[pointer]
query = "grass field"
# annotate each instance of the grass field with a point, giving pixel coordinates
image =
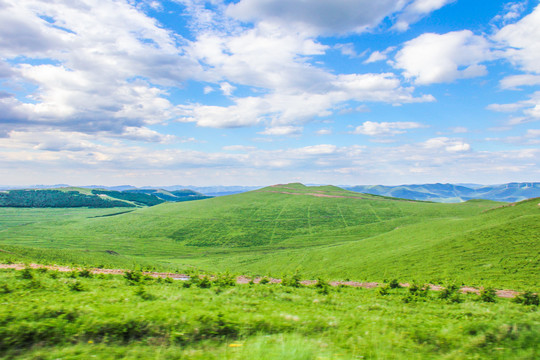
(317, 230)
(311, 231)
(51, 315)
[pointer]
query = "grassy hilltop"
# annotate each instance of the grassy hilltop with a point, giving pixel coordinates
(318, 230)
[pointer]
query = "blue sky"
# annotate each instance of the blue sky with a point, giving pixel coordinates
(257, 92)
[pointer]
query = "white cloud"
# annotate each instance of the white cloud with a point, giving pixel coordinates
(460, 130)
(288, 108)
(385, 128)
(324, 132)
(282, 130)
(375, 56)
(347, 49)
(239, 148)
(105, 65)
(416, 10)
(316, 16)
(433, 58)
(529, 107)
(522, 41)
(515, 81)
(449, 145)
(226, 88)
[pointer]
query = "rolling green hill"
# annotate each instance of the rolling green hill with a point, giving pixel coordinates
(319, 230)
(175, 195)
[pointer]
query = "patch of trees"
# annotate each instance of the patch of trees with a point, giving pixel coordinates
(56, 199)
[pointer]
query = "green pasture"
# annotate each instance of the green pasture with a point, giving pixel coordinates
(323, 231)
(51, 315)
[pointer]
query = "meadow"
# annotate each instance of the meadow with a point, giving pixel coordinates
(289, 232)
(319, 231)
(76, 315)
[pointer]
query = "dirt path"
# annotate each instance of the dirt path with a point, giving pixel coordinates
(246, 280)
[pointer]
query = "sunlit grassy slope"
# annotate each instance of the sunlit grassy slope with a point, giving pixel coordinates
(321, 230)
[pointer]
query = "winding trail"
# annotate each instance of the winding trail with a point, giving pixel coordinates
(246, 279)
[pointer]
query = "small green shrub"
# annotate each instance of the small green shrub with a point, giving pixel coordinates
(527, 298)
(488, 295)
(133, 277)
(225, 280)
(205, 283)
(322, 286)
(4, 289)
(85, 273)
(394, 284)
(42, 270)
(292, 280)
(143, 294)
(383, 290)
(27, 273)
(76, 286)
(264, 280)
(53, 274)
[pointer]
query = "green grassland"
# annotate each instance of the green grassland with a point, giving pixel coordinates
(317, 230)
(51, 315)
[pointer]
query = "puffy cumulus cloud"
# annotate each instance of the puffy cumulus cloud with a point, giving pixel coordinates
(263, 57)
(416, 10)
(522, 41)
(316, 16)
(385, 128)
(437, 58)
(287, 108)
(101, 65)
(447, 144)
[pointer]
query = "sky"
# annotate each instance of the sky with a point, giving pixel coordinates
(259, 92)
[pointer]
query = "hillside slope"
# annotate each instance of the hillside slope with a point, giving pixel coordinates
(321, 230)
(498, 247)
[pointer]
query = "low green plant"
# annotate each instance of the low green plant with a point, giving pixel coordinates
(394, 284)
(27, 273)
(322, 286)
(527, 298)
(143, 293)
(293, 280)
(488, 295)
(225, 279)
(5, 289)
(133, 277)
(205, 283)
(264, 281)
(85, 273)
(383, 290)
(76, 286)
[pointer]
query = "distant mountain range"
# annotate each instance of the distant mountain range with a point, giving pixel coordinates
(133, 196)
(510, 192)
